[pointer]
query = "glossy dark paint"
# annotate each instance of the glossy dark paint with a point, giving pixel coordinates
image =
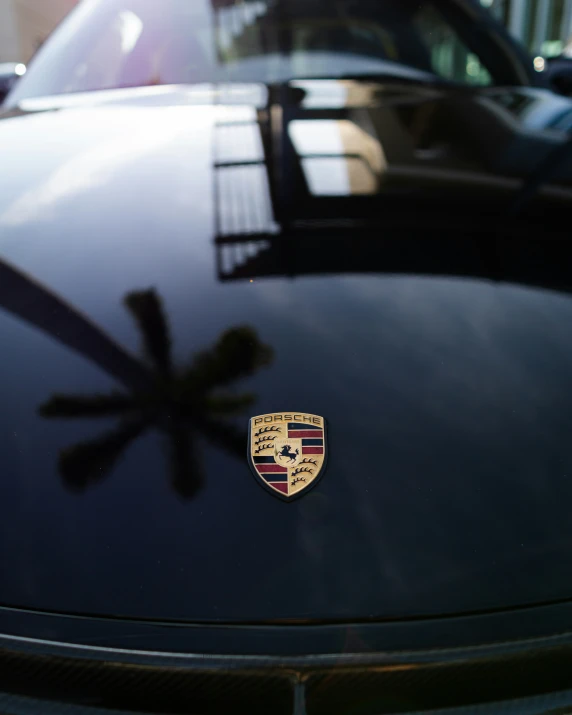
(292, 638)
(409, 321)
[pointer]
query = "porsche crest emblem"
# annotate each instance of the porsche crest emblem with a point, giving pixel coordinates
(287, 452)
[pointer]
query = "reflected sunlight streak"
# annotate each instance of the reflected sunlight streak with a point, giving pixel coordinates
(92, 168)
(130, 27)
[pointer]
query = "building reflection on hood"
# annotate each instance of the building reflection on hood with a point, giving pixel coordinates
(329, 177)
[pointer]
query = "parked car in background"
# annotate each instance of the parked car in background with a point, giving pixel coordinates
(214, 213)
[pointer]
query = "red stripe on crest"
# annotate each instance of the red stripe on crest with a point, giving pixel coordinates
(266, 468)
(281, 486)
(312, 450)
(314, 434)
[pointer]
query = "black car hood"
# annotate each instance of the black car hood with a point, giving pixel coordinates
(447, 394)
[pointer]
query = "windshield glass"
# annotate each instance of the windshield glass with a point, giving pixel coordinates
(108, 44)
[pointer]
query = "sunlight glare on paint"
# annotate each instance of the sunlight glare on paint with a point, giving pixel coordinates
(130, 27)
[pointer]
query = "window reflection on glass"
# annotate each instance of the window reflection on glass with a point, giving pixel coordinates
(339, 158)
(338, 176)
(242, 193)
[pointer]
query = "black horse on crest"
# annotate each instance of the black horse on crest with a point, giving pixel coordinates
(287, 454)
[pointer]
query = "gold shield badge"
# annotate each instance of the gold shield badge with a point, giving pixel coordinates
(287, 452)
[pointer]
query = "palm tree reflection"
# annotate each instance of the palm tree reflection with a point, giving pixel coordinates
(181, 404)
